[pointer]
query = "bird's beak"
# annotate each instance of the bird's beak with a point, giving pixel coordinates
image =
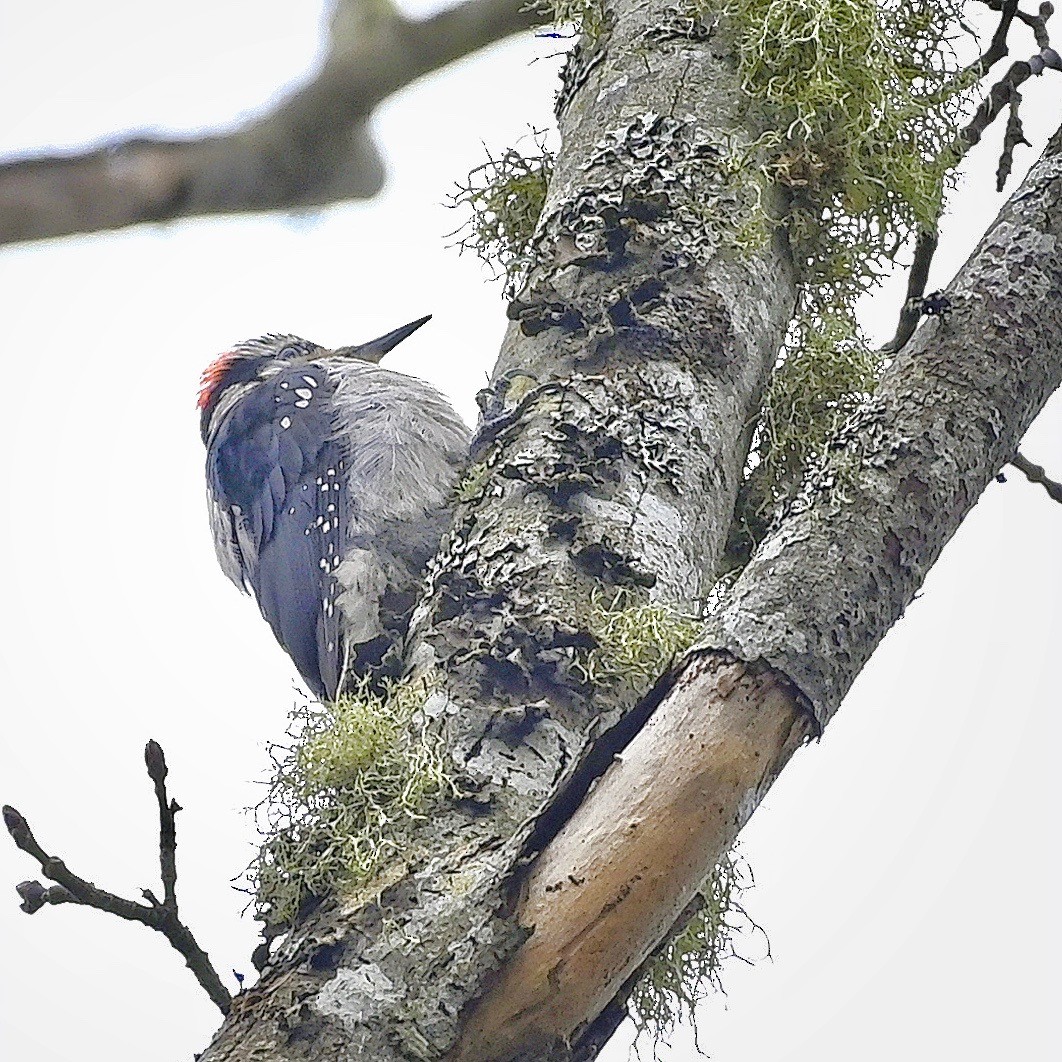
(375, 349)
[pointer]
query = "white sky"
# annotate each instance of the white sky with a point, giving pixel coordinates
(907, 867)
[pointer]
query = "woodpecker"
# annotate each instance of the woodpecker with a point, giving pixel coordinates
(327, 478)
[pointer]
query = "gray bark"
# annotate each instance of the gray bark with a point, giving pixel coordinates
(608, 460)
(787, 642)
(903, 473)
(313, 148)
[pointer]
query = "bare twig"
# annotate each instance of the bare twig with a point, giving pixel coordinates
(313, 148)
(925, 248)
(1036, 474)
(1004, 94)
(160, 916)
(1014, 136)
(997, 48)
(1038, 23)
(157, 771)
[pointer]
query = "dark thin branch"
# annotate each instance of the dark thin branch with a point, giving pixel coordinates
(925, 248)
(160, 916)
(80, 890)
(1014, 135)
(1038, 23)
(157, 771)
(1036, 474)
(998, 97)
(311, 149)
(1003, 95)
(997, 48)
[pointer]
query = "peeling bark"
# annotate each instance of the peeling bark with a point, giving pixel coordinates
(615, 880)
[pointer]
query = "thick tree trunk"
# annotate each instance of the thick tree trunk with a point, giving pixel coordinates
(614, 435)
(608, 461)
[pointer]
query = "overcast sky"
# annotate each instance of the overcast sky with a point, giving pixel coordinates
(907, 866)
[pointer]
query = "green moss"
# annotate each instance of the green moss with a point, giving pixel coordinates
(636, 642)
(472, 482)
(688, 967)
(864, 100)
(504, 197)
(354, 776)
(826, 371)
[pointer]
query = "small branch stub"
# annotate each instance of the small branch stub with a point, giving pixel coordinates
(1035, 473)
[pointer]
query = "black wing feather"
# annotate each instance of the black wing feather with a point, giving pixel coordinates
(265, 464)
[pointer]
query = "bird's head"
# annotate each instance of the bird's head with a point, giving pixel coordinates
(254, 359)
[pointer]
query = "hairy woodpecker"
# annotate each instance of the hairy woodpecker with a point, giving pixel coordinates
(326, 481)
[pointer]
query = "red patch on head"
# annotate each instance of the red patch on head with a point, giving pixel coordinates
(212, 375)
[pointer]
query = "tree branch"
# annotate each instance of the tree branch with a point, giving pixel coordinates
(160, 916)
(998, 47)
(157, 771)
(1003, 93)
(792, 634)
(911, 311)
(313, 148)
(1036, 474)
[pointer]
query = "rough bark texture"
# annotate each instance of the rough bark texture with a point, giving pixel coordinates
(949, 414)
(900, 477)
(617, 877)
(314, 148)
(819, 595)
(608, 460)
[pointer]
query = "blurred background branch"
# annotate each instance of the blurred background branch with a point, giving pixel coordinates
(312, 148)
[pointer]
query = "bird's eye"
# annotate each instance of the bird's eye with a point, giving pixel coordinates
(290, 352)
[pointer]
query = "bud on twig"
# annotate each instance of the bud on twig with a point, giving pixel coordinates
(13, 820)
(33, 896)
(155, 760)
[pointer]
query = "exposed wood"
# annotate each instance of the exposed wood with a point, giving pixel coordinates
(605, 472)
(615, 879)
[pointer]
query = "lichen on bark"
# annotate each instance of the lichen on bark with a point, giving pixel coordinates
(504, 197)
(607, 460)
(894, 483)
(352, 778)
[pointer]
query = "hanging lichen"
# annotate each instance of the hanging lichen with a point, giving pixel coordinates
(354, 776)
(688, 968)
(504, 197)
(864, 100)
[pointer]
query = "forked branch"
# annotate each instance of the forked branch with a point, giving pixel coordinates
(161, 916)
(1004, 95)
